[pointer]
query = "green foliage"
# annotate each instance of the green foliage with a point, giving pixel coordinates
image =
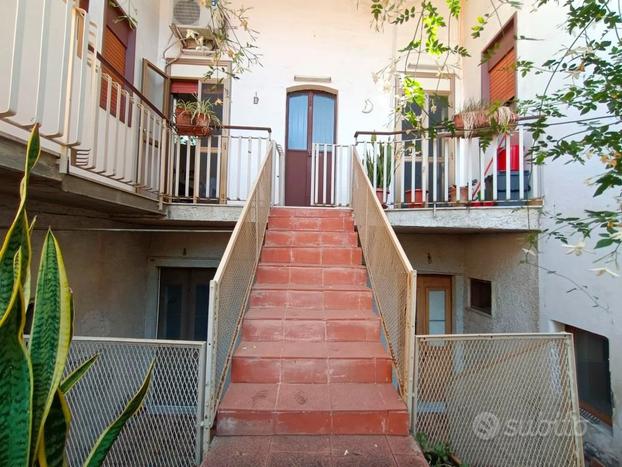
(437, 454)
(592, 70)
(382, 164)
(34, 417)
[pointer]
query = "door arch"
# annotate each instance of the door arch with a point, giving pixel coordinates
(311, 117)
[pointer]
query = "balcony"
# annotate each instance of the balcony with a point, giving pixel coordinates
(103, 139)
(449, 182)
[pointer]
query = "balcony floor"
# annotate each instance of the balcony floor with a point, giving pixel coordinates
(466, 219)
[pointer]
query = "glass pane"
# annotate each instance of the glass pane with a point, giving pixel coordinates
(153, 87)
(437, 327)
(593, 377)
(215, 93)
(323, 119)
(169, 326)
(436, 303)
(297, 122)
(200, 312)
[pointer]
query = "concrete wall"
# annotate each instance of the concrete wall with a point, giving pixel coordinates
(493, 257)
(113, 274)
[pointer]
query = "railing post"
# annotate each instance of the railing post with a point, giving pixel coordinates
(210, 364)
(200, 404)
(571, 368)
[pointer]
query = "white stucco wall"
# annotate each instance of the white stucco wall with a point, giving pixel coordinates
(565, 191)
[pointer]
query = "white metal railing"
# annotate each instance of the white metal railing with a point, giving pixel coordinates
(167, 430)
(331, 166)
(100, 125)
(417, 171)
(230, 288)
(392, 277)
(500, 399)
(198, 167)
(44, 62)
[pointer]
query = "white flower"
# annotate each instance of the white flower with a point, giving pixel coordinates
(601, 271)
(617, 236)
(577, 249)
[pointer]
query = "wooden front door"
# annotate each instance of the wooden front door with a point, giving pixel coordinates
(434, 305)
(311, 118)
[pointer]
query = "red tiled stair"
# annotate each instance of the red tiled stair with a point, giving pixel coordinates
(310, 359)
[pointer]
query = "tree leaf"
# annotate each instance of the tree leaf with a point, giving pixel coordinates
(51, 452)
(50, 334)
(16, 378)
(70, 381)
(108, 437)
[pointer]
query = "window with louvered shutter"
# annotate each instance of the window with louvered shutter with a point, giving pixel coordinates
(502, 78)
(499, 68)
(119, 43)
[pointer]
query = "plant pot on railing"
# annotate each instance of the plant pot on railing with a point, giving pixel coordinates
(408, 200)
(195, 118)
(491, 118)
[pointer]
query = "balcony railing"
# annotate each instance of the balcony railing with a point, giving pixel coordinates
(411, 171)
(101, 126)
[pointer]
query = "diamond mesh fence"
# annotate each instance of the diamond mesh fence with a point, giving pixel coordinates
(390, 272)
(500, 399)
(166, 431)
(232, 283)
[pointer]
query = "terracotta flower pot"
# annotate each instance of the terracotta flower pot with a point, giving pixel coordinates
(380, 196)
(464, 194)
(418, 202)
(183, 118)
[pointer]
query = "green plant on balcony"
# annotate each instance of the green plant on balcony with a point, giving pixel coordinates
(34, 415)
(196, 117)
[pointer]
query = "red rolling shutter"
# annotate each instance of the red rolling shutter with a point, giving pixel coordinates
(502, 78)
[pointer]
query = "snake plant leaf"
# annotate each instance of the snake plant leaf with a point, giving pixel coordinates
(50, 334)
(51, 451)
(17, 236)
(77, 374)
(108, 437)
(16, 387)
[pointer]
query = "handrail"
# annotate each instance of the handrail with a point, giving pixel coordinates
(110, 68)
(231, 286)
(392, 277)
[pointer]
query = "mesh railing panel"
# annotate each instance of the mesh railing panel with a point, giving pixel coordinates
(231, 285)
(391, 275)
(498, 399)
(166, 431)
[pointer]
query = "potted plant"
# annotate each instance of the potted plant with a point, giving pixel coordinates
(453, 194)
(382, 159)
(196, 118)
(418, 200)
(496, 117)
(183, 113)
(204, 116)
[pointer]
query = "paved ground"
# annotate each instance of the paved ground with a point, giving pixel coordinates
(314, 451)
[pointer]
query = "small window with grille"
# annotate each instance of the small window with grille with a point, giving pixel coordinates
(481, 296)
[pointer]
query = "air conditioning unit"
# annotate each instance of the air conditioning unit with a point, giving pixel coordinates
(191, 22)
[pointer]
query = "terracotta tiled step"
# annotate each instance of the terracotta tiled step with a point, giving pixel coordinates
(301, 330)
(339, 256)
(321, 276)
(311, 212)
(256, 362)
(308, 314)
(348, 408)
(345, 298)
(310, 239)
(324, 224)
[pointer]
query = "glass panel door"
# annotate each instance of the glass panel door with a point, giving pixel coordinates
(184, 303)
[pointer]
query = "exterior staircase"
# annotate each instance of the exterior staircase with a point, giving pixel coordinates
(310, 358)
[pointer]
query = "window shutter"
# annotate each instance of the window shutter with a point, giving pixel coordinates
(502, 78)
(114, 52)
